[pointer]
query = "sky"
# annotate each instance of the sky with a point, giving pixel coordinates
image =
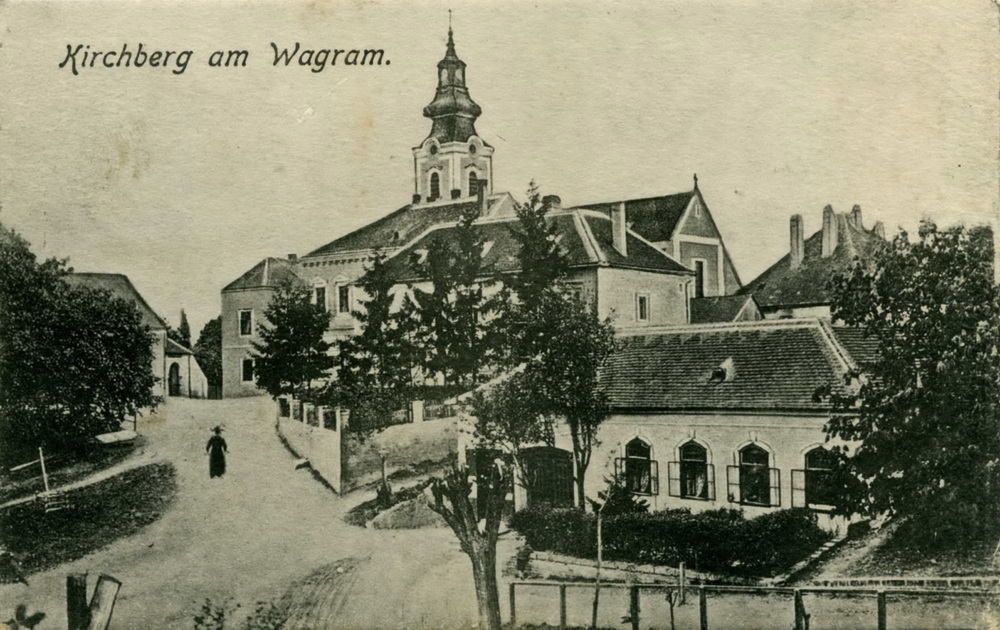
(183, 181)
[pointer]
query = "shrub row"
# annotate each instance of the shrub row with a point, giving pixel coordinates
(716, 541)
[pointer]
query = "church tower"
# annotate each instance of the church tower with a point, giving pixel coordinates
(452, 162)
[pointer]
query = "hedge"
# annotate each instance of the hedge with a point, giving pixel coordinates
(716, 541)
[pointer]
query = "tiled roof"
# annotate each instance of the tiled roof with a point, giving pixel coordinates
(655, 217)
(862, 348)
(717, 309)
(174, 349)
(809, 284)
(585, 237)
(269, 272)
(120, 286)
(771, 366)
(399, 227)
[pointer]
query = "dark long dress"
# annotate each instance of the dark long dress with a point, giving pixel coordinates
(216, 456)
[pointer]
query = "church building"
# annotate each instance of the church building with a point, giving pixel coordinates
(645, 262)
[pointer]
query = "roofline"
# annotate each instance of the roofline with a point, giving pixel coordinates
(763, 324)
(614, 201)
(128, 281)
(741, 411)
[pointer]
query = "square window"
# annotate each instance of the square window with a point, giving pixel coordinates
(247, 370)
(246, 323)
(642, 308)
(344, 299)
(319, 295)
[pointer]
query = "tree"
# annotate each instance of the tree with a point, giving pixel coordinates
(926, 411)
(292, 354)
(208, 350)
(505, 423)
(374, 366)
(74, 362)
(181, 334)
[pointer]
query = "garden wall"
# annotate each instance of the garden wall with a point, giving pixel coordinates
(404, 446)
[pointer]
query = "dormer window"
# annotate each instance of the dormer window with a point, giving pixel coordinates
(723, 373)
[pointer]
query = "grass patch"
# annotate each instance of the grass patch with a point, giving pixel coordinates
(361, 514)
(63, 469)
(907, 553)
(100, 514)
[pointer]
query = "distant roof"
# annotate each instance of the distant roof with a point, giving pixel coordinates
(654, 217)
(269, 272)
(120, 286)
(862, 348)
(781, 286)
(585, 238)
(768, 366)
(174, 349)
(399, 227)
(717, 309)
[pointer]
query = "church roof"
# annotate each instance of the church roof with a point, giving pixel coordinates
(809, 284)
(175, 349)
(399, 227)
(120, 286)
(717, 309)
(765, 366)
(585, 238)
(656, 218)
(269, 272)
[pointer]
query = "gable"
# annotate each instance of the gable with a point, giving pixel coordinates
(697, 220)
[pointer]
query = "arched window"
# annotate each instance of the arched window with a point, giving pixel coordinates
(473, 183)
(694, 471)
(435, 187)
(753, 481)
(637, 470)
(813, 486)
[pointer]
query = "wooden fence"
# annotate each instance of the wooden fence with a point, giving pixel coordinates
(801, 615)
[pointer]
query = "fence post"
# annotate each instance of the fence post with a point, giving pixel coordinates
(703, 608)
(882, 619)
(102, 604)
(45, 474)
(513, 606)
(799, 611)
(682, 596)
(562, 607)
(633, 607)
(76, 601)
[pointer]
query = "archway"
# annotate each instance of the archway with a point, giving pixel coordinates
(174, 380)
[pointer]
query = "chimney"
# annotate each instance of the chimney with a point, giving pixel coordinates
(416, 198)
(856, 217)
(293, 258)
(829, 231)
(618, 236)
(481, 198)
(552, 202)
(879, 230)
(798, 245)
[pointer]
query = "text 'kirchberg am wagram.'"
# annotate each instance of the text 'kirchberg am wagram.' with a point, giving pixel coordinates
(81, 57)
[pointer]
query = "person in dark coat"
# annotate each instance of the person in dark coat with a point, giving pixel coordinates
(216, 450)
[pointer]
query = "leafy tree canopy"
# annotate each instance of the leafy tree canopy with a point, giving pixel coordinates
(926, 412)
(291, 354)
(208, 349)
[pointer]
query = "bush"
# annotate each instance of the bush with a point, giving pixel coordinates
(717, 541)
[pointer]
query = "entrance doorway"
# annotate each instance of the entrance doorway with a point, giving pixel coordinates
(174, 380)
(549, 477)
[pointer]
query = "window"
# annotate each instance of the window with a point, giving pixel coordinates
(642, 307)
(319, 295)
(637, 470)
(329, 418)
(435, 187)
(692, 477)
(753, 481)
(813, 486)
(247, 370)
(344, 298)
(246, 323)
(473, 180)
(699, 278)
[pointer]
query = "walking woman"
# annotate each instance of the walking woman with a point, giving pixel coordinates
(216, 450)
